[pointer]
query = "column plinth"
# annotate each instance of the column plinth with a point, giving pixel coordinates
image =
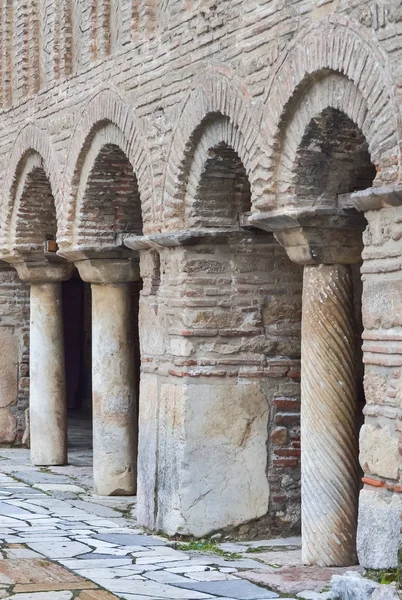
(328, 418)
(47, 395)
(113, 384)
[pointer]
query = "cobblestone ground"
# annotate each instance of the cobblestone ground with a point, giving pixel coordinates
(59, 542)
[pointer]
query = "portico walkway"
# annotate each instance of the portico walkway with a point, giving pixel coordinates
(59, 542)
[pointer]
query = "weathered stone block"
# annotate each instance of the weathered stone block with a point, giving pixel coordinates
(379, 451)
(381, 305)
(386, 592)
(8, 426)
(147, 449)
(8, 367)
(352, 586)
(212, 450)
(378, 530)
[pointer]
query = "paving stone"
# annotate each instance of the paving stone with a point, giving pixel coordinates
(96, 509)
(80, 563)
(95, 555)
(106, 573)
(22, 553)
(66, 549)
(190, 568)
(101, 523)
(284, 558)
(232, 547)
(282, 542)
(39, 587)
(125, 539)
(10, 510)
(33, 477)
(66, 595)
(27, 571)
(310, 595)
(96, 595)
(228, 570)
(211, 576)
(165, 577)
(152, 589)
(243, 590)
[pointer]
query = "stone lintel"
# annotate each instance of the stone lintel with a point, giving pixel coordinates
(31, 253)
(109, 270)
(44, 272)
(75, 253)
(375, 198)
(186, 237)
(320, 236)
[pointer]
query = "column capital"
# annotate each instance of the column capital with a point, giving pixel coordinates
(109, 270)
(315, 236)
(45, 272)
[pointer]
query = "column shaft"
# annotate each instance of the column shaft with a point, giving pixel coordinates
(328, 421)
(114, 402)
(47, 400)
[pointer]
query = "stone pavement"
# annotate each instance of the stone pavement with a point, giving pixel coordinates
(59, 542)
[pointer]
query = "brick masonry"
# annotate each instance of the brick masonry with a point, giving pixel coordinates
(146, 117)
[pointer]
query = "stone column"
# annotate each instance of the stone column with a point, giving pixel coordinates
(326, 243)
(47, 396)
(328, 418)
(113, 385)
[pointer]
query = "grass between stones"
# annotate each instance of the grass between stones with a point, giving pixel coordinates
(206, 546)
(385, 576)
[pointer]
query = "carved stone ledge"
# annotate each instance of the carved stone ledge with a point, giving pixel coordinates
(320, 236)
(186, 237)
(74, 252)
(373, 198)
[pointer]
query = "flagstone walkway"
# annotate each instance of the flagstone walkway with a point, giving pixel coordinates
(59, 542)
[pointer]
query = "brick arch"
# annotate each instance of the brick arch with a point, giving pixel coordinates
(335, 59)
(218, 189)
(33, 219)
(214, 100)
(106, 190)
(331, 91)
(107, 107)
(31, 141)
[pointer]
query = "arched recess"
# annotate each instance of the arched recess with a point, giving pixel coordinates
(107, 111)
(326, 137)
(33, 219)
(106, 191)
(333, 64)
(32, 152)
(218, 189)
(216, 109)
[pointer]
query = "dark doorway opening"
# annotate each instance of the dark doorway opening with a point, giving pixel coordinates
(77, 355)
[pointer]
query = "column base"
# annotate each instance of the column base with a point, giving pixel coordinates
(122, 484)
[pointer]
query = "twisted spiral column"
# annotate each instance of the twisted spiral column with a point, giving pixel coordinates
(328, 421)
